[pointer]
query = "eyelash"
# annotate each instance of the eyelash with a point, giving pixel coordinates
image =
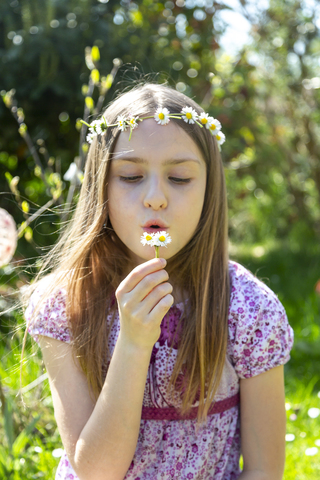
(133, 179)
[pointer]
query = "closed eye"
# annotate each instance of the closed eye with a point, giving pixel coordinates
(135, 178)
(180, 180)
(132, 179)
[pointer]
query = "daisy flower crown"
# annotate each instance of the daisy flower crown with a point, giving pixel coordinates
(162, 117)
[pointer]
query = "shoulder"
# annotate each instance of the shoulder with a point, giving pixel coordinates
(46, 312)
(260, 336)
(250, 295)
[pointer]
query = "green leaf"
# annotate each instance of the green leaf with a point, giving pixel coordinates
(23, 438)
(8, 177)
(3, 462)
(8, 423)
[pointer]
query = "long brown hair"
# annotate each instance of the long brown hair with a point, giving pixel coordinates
(95, 259)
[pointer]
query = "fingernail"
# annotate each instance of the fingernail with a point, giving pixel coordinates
(163, 261)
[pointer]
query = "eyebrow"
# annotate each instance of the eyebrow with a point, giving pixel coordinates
(173, 161)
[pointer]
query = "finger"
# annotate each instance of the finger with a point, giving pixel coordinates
(132, 301)
(138, 273)
(162, 307)
(147, 284)
(155, 296)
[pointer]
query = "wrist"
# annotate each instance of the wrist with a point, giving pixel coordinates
(134, 349)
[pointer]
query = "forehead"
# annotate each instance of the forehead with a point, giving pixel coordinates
(151, 141)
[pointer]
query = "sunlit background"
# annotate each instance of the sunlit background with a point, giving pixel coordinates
(253, 65)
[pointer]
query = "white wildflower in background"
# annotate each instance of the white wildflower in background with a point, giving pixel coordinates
(310, 452)
(57, 452)
(313, 412)
(162, 116)
(73, 174)
(8, 237)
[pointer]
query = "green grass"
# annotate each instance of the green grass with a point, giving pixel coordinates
(300, 399)
(28, 432)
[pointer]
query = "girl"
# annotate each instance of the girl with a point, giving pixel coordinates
(159, 368)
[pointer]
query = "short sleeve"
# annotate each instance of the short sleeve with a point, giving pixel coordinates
(260, 337)
(46, 315)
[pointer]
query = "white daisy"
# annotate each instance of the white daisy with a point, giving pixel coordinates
(95, 127)
(90, 136)
(122, 124)
(214, 125)
(161, 239)
(220, 137)
(162, 116)
(133, 122)
(203, 118)
(103, 125)
(189, 115)
(147, 239)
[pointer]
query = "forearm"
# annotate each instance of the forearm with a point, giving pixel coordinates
(107, 443)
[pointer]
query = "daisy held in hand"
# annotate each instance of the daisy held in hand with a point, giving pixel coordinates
(156, 240)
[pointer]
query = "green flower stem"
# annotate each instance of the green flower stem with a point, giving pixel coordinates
(85, 123)
(157, 251)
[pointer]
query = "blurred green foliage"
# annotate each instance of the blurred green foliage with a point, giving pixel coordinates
(267, 99)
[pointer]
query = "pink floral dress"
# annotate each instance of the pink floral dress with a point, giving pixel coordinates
(168, 447)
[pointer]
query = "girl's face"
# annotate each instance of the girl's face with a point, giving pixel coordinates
(156, 178)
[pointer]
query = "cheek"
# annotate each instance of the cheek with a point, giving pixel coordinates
(190, 206)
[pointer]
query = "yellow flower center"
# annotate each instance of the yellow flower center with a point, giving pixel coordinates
(204, 120)
(212, 126)
(148, 237)
(162, 238)
(218, 137)
(189, 115)
(132, 121)
(161, 116)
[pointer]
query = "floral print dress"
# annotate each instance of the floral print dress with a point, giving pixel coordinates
(169, 447)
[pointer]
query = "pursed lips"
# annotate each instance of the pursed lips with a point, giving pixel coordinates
(155, 229)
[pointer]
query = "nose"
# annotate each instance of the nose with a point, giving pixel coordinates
(155, 197)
